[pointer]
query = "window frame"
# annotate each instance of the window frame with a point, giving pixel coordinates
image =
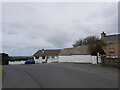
(111, 53)
(52, 57)
(36, 57)
(43, 57)
(110, 45)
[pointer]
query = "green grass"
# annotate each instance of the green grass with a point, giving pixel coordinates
(0, 63)
(1, 70)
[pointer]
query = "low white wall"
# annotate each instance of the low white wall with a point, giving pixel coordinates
(72, 58)
(79, 59)
(16, 62)
(53, 60)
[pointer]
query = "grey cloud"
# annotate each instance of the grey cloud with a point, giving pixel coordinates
(59, 39)
(28, 27)
(17, 26)
(118, 17)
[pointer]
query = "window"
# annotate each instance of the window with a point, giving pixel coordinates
(53, 56)
(111, 54)
(43, 57)
(37, 57)
(47, 57)
(57, 57)
(110, 45)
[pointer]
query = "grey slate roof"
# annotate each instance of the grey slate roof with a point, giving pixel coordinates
(65, 52)
(52, 52)
(112, 38)
(80, 50)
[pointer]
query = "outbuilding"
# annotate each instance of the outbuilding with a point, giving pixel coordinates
(4, 58)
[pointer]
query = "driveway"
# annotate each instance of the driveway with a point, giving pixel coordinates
(60, 75)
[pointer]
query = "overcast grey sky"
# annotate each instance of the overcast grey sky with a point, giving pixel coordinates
(28, 27)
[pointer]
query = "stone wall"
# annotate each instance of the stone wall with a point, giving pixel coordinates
(114, 62)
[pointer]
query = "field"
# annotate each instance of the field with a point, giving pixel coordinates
(20, 58)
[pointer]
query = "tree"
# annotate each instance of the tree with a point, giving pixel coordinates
(94, 43)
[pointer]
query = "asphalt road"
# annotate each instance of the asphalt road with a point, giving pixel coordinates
(63, 75)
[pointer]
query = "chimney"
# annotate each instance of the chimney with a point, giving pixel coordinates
(103, 34)
(42, 50)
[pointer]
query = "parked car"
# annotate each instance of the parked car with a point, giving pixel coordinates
(30, 61)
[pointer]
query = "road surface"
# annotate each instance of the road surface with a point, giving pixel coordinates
(61, 75)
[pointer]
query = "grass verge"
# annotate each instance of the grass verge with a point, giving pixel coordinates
(1, 71)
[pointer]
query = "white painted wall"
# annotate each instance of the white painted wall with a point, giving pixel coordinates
(49, 60)
(72, 58)
(79, 59)
(16, 62)
(38, 60)
(53, 59)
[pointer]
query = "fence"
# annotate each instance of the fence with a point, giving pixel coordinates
(114, 62)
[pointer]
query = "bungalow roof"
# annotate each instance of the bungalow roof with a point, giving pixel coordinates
(52, 52)
(79, 50)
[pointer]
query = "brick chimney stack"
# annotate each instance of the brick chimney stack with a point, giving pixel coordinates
(103, 34)
(42, 50)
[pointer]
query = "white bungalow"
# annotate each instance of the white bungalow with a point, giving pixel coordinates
(47, 56)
